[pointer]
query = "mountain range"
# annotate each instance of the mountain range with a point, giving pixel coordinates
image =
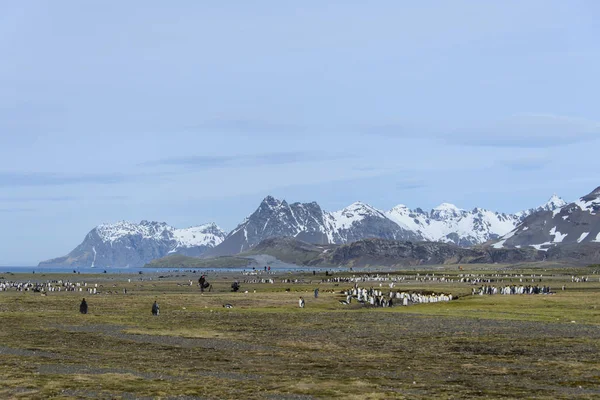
(309, 223)
(126, 244)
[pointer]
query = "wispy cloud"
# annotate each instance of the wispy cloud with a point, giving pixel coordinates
(48, 199)
(533, 163)
(389, 130)
(410, 185)
(245, 160)
(16, 179)
(55, 199)
(519, 131)
(245, 126)
(530, 131)
(15, 210)
(398, 129)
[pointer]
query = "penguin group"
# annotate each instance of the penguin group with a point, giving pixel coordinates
(48, 286)
(376, 298)
(510, 290)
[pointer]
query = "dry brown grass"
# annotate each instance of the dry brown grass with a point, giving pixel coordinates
(266, 347)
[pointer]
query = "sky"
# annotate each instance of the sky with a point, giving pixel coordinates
(193, 111)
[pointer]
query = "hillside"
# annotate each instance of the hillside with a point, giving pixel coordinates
(381, 252)
(181, 261)
(288, 250)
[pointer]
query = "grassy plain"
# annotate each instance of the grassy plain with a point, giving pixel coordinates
(537, 346)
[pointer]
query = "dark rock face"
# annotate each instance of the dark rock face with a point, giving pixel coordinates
(275, 218)
(381, 252)
(575, 223)
(510, 256)
(309, 223)
(390, 252)
(287, 244)
(289, 250)
(583, 253)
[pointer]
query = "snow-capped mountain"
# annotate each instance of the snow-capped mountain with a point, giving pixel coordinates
(128, 244)
(274, 218)
(450, 224)
(308, 222)
(573, 223)
(361, 221)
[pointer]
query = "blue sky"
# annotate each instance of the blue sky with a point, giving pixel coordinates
(193, 111)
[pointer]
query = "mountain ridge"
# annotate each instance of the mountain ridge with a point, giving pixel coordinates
(445, 223)
(391, 253)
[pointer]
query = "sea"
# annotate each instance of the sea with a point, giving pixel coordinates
(141, 271)
(66, 270)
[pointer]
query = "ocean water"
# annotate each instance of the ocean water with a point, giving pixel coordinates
(66, 270)
(129, 271)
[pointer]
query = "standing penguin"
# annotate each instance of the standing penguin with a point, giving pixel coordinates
(301, 302)
(83, 307)
(155, 308)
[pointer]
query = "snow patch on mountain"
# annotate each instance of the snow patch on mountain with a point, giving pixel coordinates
(582, 237)
(558, 237)
(500, 244)
(95, 254)
(590, 206)
(204, 235)
(542, 246)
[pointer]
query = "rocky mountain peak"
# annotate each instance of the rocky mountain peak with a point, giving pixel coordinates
(555, 202)
(355, 213)
(401, 207)
(446, 210)
(359, 206)
(210, 227)
(271, 202)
